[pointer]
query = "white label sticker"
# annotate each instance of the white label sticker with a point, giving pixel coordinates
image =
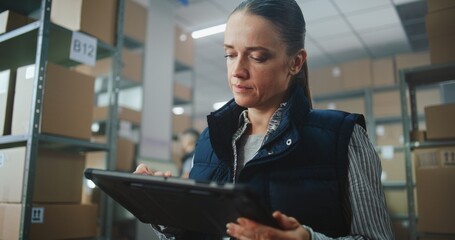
(38, 215)
(2, 159)
(83, 48)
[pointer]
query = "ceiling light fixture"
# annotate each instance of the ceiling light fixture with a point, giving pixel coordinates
(208, 31)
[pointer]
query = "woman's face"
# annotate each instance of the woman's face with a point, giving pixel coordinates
(258, 67)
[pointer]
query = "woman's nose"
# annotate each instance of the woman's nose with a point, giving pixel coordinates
(240, 68)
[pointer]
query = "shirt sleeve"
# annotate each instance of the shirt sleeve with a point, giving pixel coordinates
(366, 201)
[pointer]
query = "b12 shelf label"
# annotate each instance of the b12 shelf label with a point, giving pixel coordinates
(83, 48)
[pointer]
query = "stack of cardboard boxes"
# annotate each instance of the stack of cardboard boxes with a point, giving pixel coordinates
(57, 210)
(440, 26)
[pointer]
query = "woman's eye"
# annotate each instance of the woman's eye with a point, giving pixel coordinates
(259, 58)
(228, 56)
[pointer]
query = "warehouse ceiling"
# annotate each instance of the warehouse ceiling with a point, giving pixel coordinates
(337, 31)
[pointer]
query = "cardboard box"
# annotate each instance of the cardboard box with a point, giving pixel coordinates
(440, 121)
(325, 80)
(67, 102)
(12, 162)
(383, 71)
(436, 5)
(387, 104)
(63, 221)
(10, 221)
(132, 65)
(58, 177)
(182, 92)
(427, 97)
(135, 23)
(97, 18)
(440, 23)
(389, 135)
(411, 60)
(183, 50)
(180, 123)
(440, 26)
(435, 175)
(442, 49)
(126, 153)
(124, 114)
(393, 166)
(397, 201)
(10, 20)
(6, 102)
(357, 74)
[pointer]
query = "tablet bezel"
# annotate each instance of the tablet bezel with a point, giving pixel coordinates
(182, 203)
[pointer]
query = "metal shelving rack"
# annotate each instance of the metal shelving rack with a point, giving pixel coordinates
(39, 42)
(411, 80)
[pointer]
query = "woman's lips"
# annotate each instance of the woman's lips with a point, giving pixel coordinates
(240, 88)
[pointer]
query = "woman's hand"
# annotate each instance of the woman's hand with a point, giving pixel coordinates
(246, 229)
(145, 170)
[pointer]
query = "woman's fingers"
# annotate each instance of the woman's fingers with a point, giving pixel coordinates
(145, 170)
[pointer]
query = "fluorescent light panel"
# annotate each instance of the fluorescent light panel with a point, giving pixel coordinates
(208, 31)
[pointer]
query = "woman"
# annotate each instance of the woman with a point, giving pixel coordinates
(317, 166)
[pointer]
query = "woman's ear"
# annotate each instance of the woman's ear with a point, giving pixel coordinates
(298, 61)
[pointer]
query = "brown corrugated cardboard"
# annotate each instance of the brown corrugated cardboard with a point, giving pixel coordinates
(4, 94)
(180, 123)
(125, 153)
(58, 177)
(124, 114)
(383, 71)
(135, 21)
(386, 104)
(442, 49)
(437, 5)
(132, 65)
(325, 80)
(97, 18)
(11, 174)
(10, 20)
(410, 60)
(427, 97)
(64, 221)
(389, 135)
(440, 23)
(184, 50)
(357, 74)
(67, 102)
(396, 201)
(10, 221)
(393, 167)
(182, 92)
(440, 121)
(435, 175)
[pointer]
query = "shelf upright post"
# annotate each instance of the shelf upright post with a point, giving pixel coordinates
(113, 89)
(42, 46)
(407, 152)
(370, 120)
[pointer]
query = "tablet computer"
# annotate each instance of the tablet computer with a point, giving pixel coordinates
(187, 204)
